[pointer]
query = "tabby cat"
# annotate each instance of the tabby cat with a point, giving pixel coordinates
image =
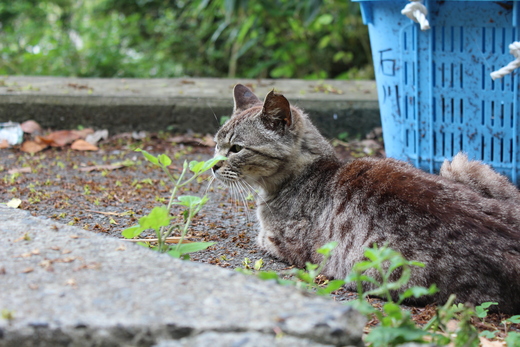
(464, 225)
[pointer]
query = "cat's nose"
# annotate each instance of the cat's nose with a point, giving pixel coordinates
(216, 167)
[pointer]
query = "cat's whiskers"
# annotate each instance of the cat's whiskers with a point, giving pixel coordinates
(257, 194)
(210, 180)
(234, 195)
(237, 196)
(243, 190)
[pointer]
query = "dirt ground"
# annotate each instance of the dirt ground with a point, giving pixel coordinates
(108, 190)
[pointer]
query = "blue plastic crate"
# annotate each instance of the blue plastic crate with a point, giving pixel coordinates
(435, 91)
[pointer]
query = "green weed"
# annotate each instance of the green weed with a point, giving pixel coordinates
(160, 218)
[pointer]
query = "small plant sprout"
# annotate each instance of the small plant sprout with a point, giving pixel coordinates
(304, 278)
(160, 218)
(8, 315)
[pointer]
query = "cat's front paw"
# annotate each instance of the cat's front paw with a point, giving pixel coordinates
(269, 243)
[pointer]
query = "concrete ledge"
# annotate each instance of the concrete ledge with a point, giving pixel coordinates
(65, 286)
(178, 104)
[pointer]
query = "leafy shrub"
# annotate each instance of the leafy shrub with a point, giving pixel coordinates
(166, 38)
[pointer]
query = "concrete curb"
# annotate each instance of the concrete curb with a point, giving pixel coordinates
(179, 105)
(68, 287)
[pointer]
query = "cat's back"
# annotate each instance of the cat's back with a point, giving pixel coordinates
(387, 178)
(400, 204)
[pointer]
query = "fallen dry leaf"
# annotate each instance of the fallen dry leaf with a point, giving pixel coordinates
(71, 282)
(65, 260)
(14, 203)
(47, 265)
(4, 144)
(186, 139)
(29, 254)
(63, 137)
(24, 237)
(27, 270)
(57, 138)
(31, 127)
(83, 132)
(114, 166)
(78, 86)
(82, 145)
(19, 170)
(91, 266)
(33, 147)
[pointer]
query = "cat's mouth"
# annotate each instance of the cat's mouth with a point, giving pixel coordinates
(224, 176)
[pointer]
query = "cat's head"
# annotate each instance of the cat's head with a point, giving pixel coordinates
(265, 142)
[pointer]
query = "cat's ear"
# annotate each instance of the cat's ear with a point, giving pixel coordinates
(244, 98)
(277, 110)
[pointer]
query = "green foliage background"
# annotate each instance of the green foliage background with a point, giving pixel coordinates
(312, 39)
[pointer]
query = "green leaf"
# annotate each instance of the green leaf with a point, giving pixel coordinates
(391, 336)
(331, 286)
(488, 334)
(158, 217)
(133, 231)
(196, 166)
(327, 248)
(210, 163)
(304, 276)
(310, 266)
(164, 160)
(268, 275)
(151, 158)
(189, 201)
(482, 310)
(513, 338)
(416, 292)
(175, 254)
(201, 204)
(362, 306)
(258, 264)
(194, 247)
(325, 19)
(514, 319)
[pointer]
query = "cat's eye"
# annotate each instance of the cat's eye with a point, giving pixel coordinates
(235, 148)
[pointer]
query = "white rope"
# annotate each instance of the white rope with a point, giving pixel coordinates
(417, 12)
(514, 49)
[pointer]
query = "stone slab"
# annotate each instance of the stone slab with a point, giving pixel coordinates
(65, 286)
(178, 104)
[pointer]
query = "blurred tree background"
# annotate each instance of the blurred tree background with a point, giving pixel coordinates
(311, 39)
